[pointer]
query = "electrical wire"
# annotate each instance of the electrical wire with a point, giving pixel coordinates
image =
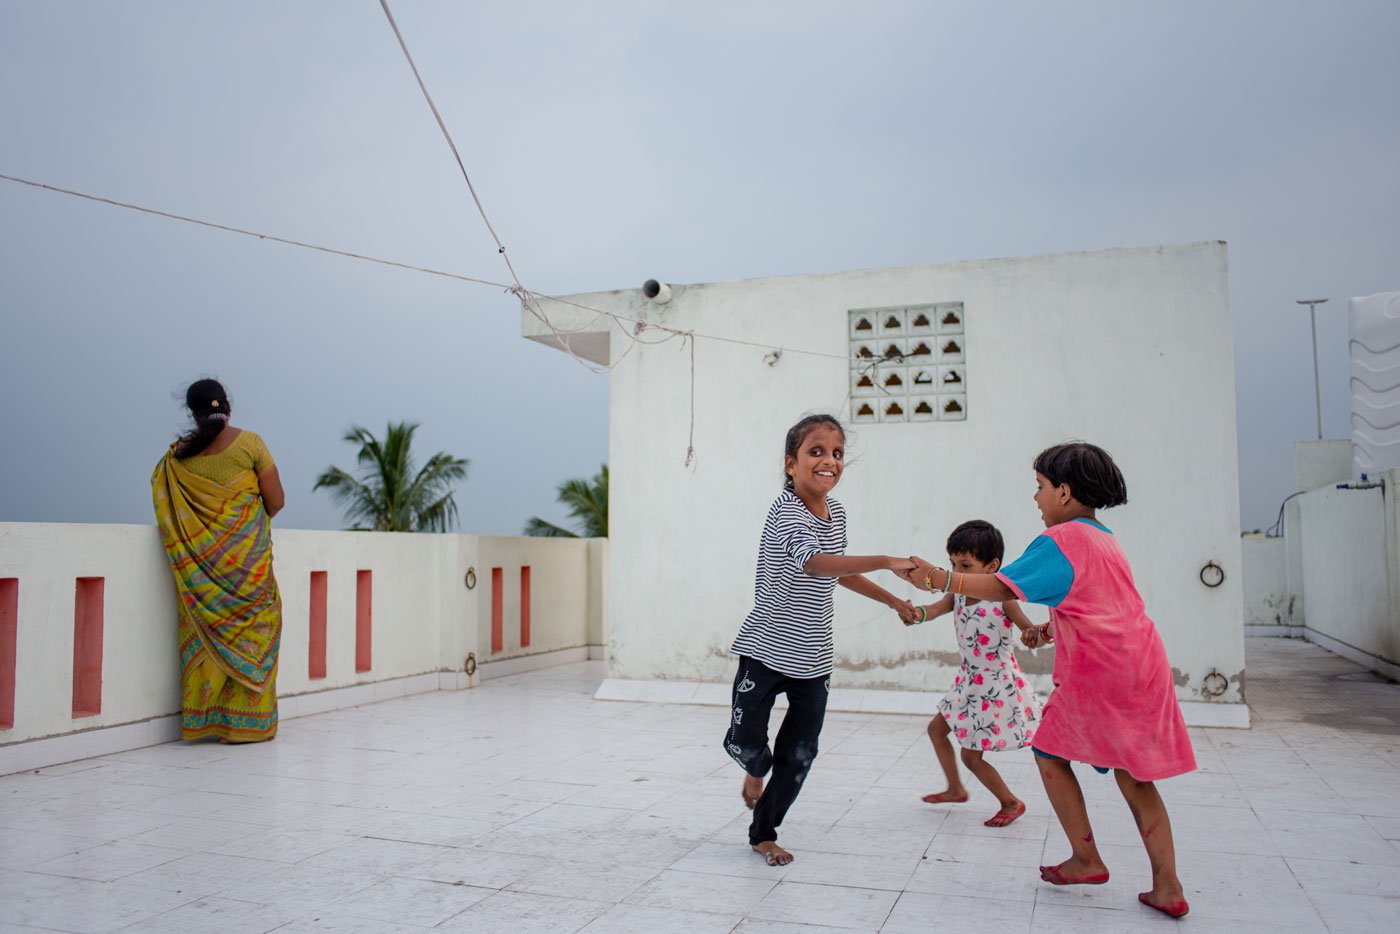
(630, 328)
(529, 299)
(251, 233)
(1275, 530)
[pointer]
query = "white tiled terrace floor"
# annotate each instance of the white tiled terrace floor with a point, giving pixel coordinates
(527, 806)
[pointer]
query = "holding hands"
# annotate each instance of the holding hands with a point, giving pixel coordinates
(924, 575)
(908, 613)
(930, 577)
(1036, 636)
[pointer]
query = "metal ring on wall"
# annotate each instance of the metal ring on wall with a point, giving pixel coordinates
(471, 578)
(1214, 684)
(470, 666)
(1212, 575)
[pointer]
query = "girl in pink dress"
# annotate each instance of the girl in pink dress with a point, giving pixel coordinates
(1113, 706)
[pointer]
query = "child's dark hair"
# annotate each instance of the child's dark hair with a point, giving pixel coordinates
(798, 433)
(208, 403)
(1093, 478)
(979, 538)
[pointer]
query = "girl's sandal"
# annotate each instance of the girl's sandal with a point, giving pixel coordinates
(1174, 910)
(943, 797)
(1003, 817)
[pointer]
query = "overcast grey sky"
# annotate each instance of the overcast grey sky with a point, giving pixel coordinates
(616, 141)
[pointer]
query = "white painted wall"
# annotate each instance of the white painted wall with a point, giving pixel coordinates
(1348, 568)
(1268, 603)
(424, 617)
(1321, 463)
(1334, 576)
(1131, 349)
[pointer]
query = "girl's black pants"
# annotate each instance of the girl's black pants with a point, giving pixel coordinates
(756, 686)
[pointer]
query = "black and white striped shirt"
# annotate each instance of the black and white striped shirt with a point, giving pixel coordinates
(789, 628)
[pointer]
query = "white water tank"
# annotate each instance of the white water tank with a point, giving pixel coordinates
(1375, 382)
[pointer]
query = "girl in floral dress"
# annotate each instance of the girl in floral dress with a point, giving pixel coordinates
(991, 707)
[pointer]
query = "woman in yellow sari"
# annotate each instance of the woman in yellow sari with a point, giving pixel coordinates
(215, 491)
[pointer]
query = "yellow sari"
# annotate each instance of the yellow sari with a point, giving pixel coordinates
(219, 542)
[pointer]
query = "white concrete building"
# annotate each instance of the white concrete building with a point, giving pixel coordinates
(1128, 348)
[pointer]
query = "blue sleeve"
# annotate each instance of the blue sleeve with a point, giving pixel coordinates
(1041, 575)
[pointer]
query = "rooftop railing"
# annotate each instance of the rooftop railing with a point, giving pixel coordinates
(88, 655)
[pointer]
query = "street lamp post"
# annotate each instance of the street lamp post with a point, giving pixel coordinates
(1312, 304)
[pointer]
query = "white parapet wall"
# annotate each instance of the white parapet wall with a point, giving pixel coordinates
(1131, 349)
(427, 626)
(1321, 463)
(1270, 608)
(1333, 577)
(1351, 569)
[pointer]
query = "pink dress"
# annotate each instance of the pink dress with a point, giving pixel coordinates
(991, 707)
(1113, 704)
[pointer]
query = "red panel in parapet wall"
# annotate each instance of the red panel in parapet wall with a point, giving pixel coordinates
(9, 630)
(87, 646)
(364, 622)
(316, 649)
(524, 606)
(498, 635)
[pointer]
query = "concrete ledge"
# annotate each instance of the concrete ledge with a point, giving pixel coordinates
(101, 741)
(1380, 666)
(455, 681)
(855, 700)
(505, 667)
(305, 705)
(1228, 716)
(1274, 632)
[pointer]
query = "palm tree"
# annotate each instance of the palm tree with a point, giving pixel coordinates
(587, 502)
(388, 495)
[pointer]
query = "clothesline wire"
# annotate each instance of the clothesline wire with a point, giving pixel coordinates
(251, 233)
(442, 125)
(350, 254)
(519, 290)
(529, 300)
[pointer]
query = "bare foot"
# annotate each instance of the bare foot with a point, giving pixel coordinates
(1073, 872)
(773, 854)
(946, 797)
(1169, 902)
(1007, 814)
(753, 790)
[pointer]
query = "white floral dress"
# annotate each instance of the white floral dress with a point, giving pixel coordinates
(991, 706)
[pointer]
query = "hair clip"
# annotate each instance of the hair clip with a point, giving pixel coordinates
(214, 404)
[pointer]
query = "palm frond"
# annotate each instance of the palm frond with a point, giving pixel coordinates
(387, 495)
(586, 501)
(542, 529)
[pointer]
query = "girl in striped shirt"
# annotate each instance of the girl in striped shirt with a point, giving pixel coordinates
(785, 644)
